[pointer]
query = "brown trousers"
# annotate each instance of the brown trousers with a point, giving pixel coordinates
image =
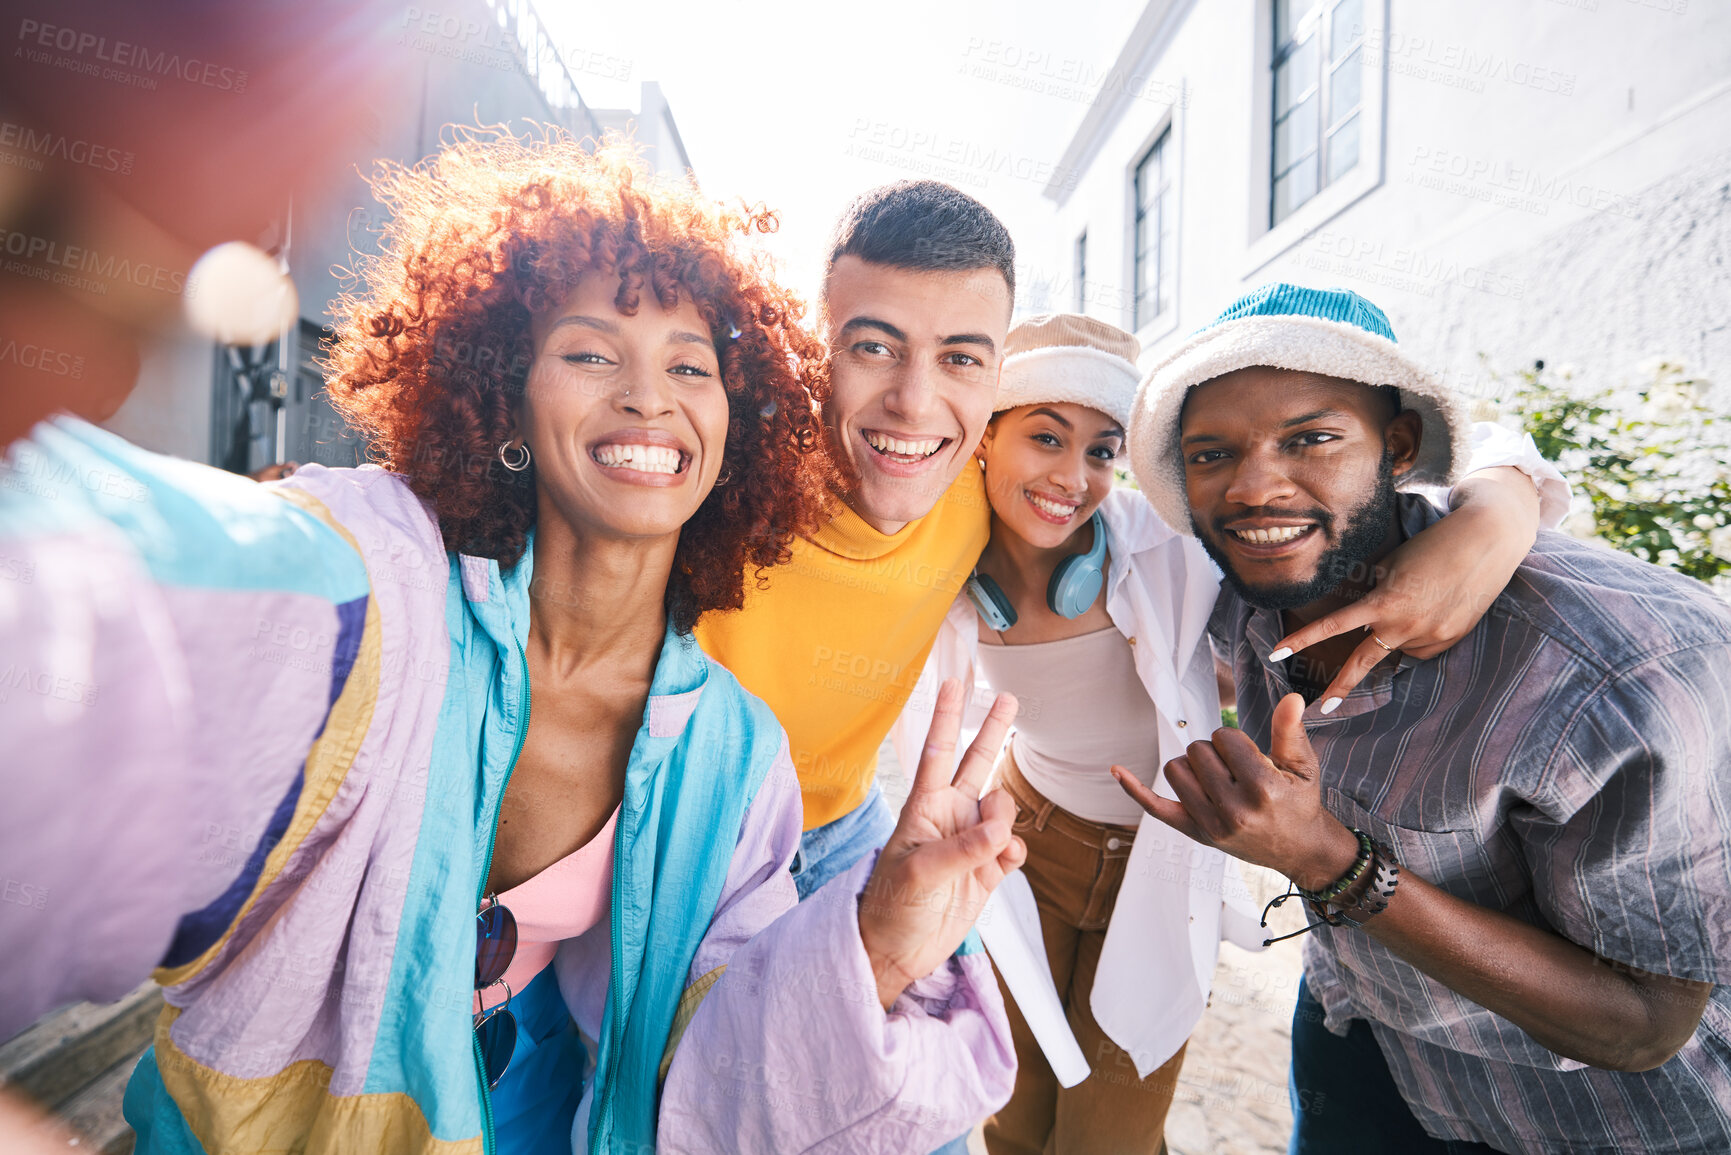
(1075, 868)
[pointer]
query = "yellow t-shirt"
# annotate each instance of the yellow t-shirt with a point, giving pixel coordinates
(839, 637)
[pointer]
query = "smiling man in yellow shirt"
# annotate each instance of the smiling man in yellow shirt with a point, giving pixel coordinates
(917, 301)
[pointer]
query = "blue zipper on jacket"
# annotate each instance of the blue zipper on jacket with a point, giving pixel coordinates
(487, 1140)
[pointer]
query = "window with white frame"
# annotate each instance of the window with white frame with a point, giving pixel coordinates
(1318, 97)
(1153, 234)
(1082, 272)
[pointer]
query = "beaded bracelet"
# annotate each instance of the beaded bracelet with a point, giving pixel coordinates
(1376, 898)
(1318, 900)
(1366, 852)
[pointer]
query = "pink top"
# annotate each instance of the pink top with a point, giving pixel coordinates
(561, 902)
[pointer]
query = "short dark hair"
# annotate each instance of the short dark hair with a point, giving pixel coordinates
(925, 225)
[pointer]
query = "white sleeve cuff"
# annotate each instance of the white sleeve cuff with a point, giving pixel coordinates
(1493, 446)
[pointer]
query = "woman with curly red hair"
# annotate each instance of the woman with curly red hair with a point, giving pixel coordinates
(440, 828)
(432, 357)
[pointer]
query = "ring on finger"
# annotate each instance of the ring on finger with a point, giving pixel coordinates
(1385, 646)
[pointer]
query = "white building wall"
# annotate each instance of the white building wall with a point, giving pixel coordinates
(652, 128)
(1551, 179)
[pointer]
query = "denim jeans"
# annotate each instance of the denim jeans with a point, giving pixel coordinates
(834, 847)
(535, 1103)
(1344, 1101)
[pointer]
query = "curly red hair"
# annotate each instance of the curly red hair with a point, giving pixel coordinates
(432, 347)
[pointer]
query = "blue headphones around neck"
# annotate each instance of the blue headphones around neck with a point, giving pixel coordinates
(1074, 587)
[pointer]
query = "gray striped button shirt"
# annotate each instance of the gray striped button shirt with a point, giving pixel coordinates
(1568, 763)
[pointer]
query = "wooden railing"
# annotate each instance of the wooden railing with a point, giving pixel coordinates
(75, 1064)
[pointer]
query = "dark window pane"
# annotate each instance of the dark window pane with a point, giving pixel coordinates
(1147, 277)
(1343, 148)
(1148, 178)
(1294, 188)
(1347, 27)
(1296, 135)
(1151, 212)
(1295, 76)
(1318, 93)
(1344, 88)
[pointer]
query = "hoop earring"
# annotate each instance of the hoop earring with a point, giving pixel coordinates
(519, 464)
(726, 476)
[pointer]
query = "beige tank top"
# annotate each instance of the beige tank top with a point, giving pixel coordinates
(1083, 709)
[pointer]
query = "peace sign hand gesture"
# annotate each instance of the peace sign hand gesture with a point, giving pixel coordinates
(949, 851)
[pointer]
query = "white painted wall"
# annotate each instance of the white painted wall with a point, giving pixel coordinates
(1554, 181)
(652, 127)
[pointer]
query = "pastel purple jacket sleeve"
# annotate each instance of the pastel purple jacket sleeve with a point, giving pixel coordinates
(95, 706)
(146, 734)
(790, 1049)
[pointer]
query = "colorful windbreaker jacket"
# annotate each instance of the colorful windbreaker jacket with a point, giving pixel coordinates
(256, 737)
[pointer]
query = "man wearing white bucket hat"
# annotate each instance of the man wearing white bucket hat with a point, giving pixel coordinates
(1093, 612)
(1518, 851)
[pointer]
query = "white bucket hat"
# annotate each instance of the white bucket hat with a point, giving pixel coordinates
(1333, 332)
(1069, 357)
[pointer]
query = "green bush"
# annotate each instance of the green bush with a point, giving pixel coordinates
(1653, 461)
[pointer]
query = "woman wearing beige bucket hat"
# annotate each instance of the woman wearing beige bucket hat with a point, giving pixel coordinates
(1093, 612)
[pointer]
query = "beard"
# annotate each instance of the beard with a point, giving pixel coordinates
(1351, 555)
